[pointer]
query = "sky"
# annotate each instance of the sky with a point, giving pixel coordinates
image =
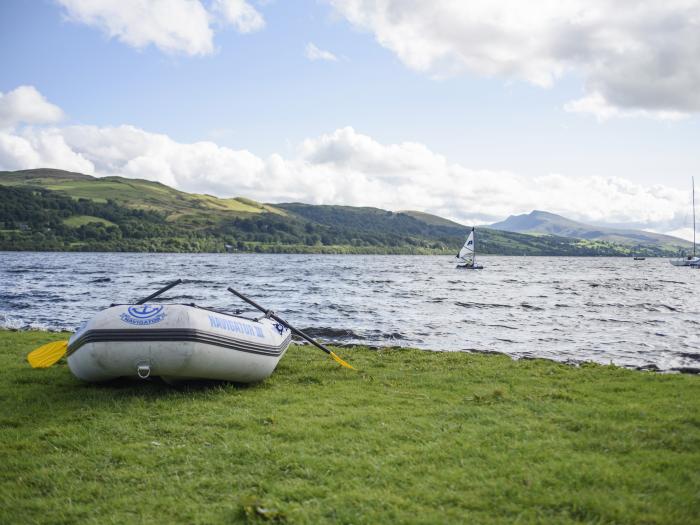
(470, 110)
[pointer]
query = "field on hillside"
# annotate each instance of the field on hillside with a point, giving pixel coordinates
(413, 437)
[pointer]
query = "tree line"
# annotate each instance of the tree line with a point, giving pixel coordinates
(37, 219)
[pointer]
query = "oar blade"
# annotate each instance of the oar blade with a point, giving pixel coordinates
(341, 362)
(48, 354)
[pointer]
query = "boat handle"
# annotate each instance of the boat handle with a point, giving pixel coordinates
(143, 370)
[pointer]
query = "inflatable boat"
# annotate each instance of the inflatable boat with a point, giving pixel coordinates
(176, 342)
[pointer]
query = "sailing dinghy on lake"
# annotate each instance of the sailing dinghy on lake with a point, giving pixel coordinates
(468, 254)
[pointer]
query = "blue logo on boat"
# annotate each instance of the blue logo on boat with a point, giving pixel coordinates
(143, 314)
(470, 243)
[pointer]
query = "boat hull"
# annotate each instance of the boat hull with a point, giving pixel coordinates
(686, 261)
(177, 343)
(469, 267)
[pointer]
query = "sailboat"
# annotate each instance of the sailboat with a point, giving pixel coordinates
(689, 260)
(468, 255)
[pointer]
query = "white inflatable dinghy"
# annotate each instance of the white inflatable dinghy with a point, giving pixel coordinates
(176, 342)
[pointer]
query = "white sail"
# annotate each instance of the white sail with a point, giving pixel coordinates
(467, 251)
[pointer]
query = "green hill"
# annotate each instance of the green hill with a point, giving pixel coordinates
(186, 208)
(45, 209)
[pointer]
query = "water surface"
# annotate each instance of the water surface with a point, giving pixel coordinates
(569, 309)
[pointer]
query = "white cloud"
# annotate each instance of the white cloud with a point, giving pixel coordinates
(239, 13)
(342, 167)
(682, 233)
(636, 58)
(596, 105)
(314, 53)
(173, 26)
(26, 105)
(40, 148)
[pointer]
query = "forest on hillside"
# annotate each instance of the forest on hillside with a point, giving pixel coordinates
(38, 219)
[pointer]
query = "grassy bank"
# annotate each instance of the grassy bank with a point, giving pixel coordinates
(415, 437)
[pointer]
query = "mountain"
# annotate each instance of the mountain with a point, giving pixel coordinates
(54, 210)
(545, 223)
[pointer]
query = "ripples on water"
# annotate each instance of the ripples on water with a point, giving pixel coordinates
(570, 309)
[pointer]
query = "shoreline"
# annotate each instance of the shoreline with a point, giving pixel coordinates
(688, 370)
(327, 253)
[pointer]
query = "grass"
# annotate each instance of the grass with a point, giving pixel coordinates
(415, 437)
(141, 194)
(148, 195)
(79, 220)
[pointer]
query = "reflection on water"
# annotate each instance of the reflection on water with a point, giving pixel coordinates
(570, 309)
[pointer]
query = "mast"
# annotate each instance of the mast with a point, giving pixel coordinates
(474, 248)
(693, 179)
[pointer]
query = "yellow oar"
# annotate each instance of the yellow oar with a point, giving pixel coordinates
(48, 354)
(340, 361)
(295, 330)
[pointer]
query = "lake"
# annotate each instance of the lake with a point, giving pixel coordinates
(607, 310)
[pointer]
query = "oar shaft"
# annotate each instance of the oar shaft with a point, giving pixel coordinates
(162, 290)
(247, 300)
(280, 320)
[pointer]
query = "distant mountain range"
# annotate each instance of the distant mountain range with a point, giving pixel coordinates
(546, 223)
(55, 210)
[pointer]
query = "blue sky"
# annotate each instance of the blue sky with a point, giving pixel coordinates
(258, 92)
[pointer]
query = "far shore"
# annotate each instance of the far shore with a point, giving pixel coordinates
(430, 254)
